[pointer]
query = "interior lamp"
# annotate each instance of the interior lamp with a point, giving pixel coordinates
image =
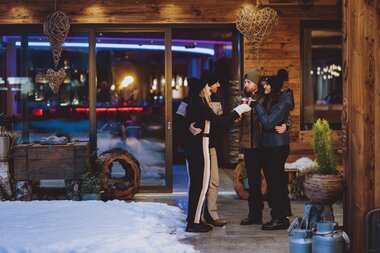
(126, 81)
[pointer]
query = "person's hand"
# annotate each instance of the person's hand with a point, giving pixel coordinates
(240, 109)
(193, 130)
(281, 129)
(253, 102)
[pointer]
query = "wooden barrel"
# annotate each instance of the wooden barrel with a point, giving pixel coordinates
(114, 189)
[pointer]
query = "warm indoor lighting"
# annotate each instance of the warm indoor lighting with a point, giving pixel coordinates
(331, 71)
(126, 81)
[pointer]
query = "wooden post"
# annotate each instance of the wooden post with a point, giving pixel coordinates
(361, 115)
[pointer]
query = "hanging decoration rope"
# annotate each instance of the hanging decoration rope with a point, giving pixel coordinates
(56, 28)
(256, 25)
(55, 78)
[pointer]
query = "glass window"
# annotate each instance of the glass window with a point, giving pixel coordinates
(35, 109)
(130, 100)
(207, 48)
(322, 75)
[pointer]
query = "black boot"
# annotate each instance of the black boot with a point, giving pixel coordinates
(251, 220)
(198, 227)
(276, 224)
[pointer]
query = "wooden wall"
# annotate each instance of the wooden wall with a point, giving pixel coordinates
(282, 50)
(361, 134)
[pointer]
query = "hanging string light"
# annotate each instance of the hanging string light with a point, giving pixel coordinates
(327, 72)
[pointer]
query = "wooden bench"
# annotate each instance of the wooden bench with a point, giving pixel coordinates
(33, 162)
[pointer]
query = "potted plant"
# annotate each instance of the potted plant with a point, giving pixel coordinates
(323, 182)
(90, 184)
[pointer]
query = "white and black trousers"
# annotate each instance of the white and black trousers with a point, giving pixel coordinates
(199, 174)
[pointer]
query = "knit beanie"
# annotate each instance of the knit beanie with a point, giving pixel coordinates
(210, 77)
(195, 84)
(283, 74)
(254, 75)
(275, 83)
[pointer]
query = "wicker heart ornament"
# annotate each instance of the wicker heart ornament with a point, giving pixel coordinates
(56, 28)
(256, 25)
(55, 78)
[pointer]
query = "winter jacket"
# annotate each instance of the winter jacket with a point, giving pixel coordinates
(277, 115)
(200, 113)
(215, 132)
(250, 129)
(181, 122)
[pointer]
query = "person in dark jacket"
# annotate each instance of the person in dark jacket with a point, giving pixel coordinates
(250, 133)
(275, 110)
(200, 114)
(211, 215)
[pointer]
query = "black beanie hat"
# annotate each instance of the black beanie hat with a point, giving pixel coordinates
(209, 76)
(275, 83)
(283, 74)
(195, 84)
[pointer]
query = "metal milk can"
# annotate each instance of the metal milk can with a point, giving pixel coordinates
(328, 240)
(300, 241)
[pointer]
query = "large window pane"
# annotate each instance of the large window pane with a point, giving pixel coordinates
(211, 49)
(322, 78)
(38, 111)
(130, 99)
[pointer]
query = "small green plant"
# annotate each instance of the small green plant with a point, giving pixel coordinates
(323, 147)
(90, 181)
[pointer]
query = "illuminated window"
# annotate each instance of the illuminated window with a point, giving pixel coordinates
(321, 74)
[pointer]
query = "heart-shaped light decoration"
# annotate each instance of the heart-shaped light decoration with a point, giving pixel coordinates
(55, 78)
(56, 28)
(256, 25)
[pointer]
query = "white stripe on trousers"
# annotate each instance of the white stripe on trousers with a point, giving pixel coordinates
(206, 174)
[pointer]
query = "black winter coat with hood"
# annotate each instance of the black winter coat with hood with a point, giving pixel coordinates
(277, 115)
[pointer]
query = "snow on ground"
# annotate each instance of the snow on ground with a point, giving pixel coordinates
(91, 226)
(301, 164)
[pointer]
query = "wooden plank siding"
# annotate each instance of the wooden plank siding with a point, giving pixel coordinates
(360, 69)
(282, 50)
(361, 91)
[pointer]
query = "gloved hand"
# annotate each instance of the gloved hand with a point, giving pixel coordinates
(240, 109)
(253, 103)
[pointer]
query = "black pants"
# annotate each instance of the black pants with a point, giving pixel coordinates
(273, 165)
(199, 173)
(253, 163)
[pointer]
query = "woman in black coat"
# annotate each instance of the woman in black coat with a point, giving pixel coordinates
(200, 114)
(275, 111)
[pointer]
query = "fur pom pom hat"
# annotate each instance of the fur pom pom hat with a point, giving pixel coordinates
(275, 83)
